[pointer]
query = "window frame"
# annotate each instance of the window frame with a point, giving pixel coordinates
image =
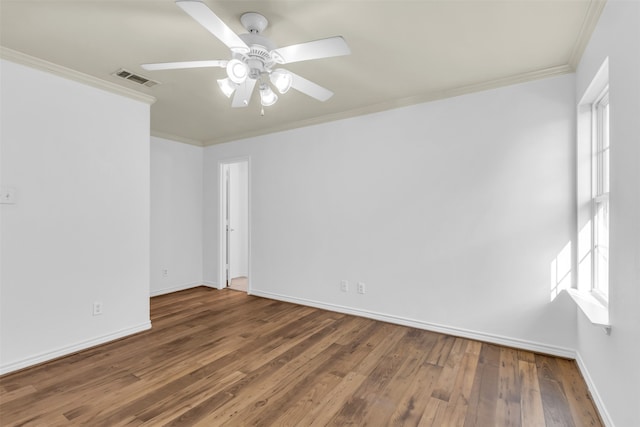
(600, 152)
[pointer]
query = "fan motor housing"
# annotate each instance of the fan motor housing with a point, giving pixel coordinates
(252, 39)
(259, 57)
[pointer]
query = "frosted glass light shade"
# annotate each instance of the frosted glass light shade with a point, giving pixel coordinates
(282, 80)
(227, 86)
(267, 96)
(237, 71)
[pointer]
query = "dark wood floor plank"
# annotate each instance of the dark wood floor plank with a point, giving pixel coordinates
(432, 413)
(580, 403)
(554, 401)
(275, 394)
(440, 351)
(227, 358)
(292, 396)
(531, 410)
(508, 404)
(249, 391)
(391, 396)
(483, 400)
(412, 405)
(460, 395)
(451, 365)
(374, 349)
(232, 361)
(399, 367)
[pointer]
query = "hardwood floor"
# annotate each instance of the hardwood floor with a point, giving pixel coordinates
(217, 358)
(239, 284)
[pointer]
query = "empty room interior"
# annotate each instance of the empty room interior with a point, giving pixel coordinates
(320, 213)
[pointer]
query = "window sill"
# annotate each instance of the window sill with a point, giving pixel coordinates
(596, 312)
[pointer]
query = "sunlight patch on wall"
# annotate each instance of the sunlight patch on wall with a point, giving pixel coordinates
(584, 258)
(561, 271)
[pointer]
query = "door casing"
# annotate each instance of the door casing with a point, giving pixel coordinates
(224, 247)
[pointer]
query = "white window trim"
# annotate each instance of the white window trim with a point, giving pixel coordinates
(593, 306)
(598, 193)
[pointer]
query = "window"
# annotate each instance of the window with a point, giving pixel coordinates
(592, 201)
(600, 196)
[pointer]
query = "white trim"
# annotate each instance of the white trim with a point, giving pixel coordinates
(210, 284)
(594, 309)
(449, 330)
(602, 409)
(176, 138)
(68, 73)
(67, 350)
(221, 218)
(597, 85)
(588, 26)
(588, 141)
(175, 288)
(399, 103)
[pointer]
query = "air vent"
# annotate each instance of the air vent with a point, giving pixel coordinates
(128, 75)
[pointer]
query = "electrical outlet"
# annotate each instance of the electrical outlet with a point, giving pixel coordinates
(97, 308)
(165, 272)
(344, 286)
(361, 288)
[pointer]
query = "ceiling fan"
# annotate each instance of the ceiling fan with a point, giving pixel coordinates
(254, 58)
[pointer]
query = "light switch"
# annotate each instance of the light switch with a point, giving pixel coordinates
(7, 196)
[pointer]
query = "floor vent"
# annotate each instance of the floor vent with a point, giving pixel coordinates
(136, 78)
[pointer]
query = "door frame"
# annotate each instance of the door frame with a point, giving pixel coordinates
(222, 247)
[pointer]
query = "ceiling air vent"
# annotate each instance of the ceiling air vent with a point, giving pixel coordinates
(128, 75)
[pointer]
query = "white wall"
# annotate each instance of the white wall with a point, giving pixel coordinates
(176, 216)
(78, 158)
(611, 362)
(450, 212)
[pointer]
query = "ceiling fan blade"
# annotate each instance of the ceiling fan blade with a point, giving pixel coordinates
(243, 94)
(185, 64)
(209, 20)
(323, 48)
(310, 88)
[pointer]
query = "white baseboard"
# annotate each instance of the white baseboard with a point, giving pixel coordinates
(449, 330)
(67, 350)
(176, 288)
(210, 284)
(604, 414)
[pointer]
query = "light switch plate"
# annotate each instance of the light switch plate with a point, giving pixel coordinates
(7, 196)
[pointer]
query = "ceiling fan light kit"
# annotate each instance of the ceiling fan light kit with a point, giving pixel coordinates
(254, 56)
(267, 96)
(227, 86)
(281, 79)
(237, 71)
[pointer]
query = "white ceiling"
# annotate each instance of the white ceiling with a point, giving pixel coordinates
(403, 52)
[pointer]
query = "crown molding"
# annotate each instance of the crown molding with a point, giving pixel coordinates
(406, 102)
(59, 70)
(176, 138)
(504, 81)
(588, 26)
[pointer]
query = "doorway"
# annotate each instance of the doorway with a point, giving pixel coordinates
(234, 225)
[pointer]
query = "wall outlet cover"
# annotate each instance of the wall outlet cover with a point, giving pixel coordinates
(344, 286)
(97, 308)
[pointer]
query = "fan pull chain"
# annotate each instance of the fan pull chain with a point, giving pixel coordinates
(262, 111)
